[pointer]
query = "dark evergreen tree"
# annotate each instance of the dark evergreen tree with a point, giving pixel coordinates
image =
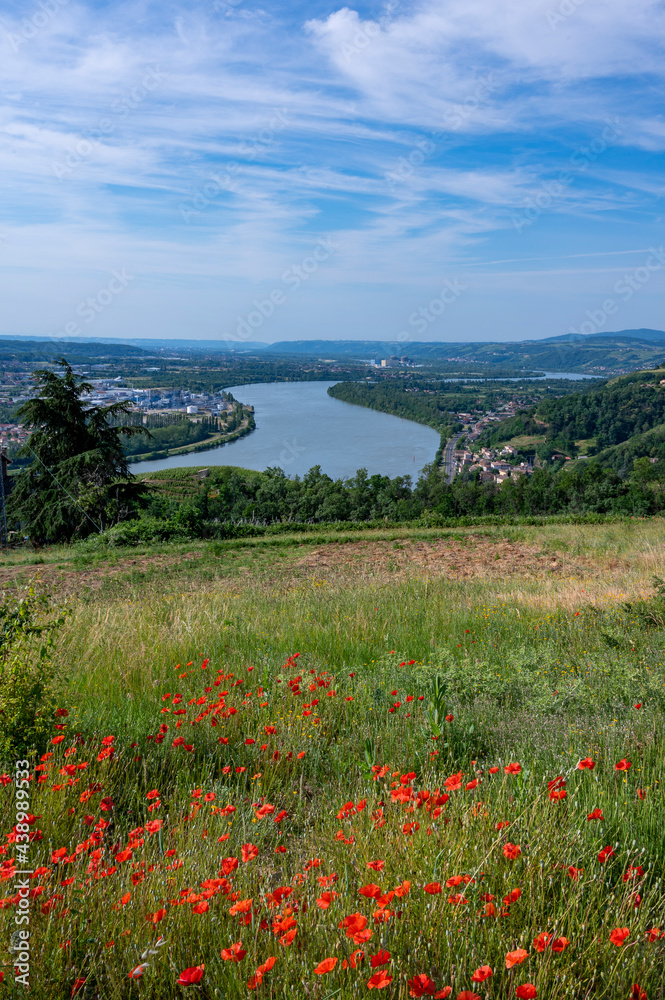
(79, 479)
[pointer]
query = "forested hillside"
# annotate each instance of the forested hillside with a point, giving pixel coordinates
(610, 414)
(617, 423)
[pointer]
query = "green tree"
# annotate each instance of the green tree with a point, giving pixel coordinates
(79, 479)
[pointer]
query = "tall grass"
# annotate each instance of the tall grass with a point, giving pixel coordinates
(349, 740)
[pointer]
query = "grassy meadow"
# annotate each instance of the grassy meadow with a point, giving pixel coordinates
(423, 762)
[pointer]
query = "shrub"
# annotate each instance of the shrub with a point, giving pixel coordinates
(27, 625)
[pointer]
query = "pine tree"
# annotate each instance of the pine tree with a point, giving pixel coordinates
(79, 480)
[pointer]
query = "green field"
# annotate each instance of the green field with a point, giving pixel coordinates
(355, 753)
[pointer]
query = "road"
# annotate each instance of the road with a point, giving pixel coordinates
(448, 463)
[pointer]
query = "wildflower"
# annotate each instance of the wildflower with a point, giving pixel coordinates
(560, 944)
(421, 986)
(467, 995)
(233, 954)
(376, 866)
(458, 899)
(201, 907)
(155, 918)
(653, 934)
(511, 851)
(513, 768)
(587, 763)
(78, 985)
(325, 899)
(191, 976)
(248, 852)
(596, 814)
(382, 957)
(541, 941)
(636, 991)
(607, 852)
(432, 888)
(379, 980)
(526, 992)
(153, 825)
(481, 974)
(623, 765)
(619, 935)
(516, 957)
(327, 965)
(371, 891)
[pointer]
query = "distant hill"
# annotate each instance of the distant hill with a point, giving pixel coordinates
(18, 349)
(142, 344)
(576, 338)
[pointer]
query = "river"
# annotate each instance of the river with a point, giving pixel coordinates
(299, 425)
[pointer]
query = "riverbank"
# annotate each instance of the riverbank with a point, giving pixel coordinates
(216, 441)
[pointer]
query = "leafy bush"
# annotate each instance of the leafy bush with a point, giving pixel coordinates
(27, 625)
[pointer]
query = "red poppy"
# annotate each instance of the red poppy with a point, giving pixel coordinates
(445, 992)
(432, 888)
(78, 984)
(636, 991)
(155, 918)
(587, 762)
(153, 825)
(191, 976)
(516, 957)
(511, 851)
(607, 852)
(623, 765)
(619, 935)
(494, 770)
(370, 891)
(596, 814)
(560, 944)
(653, 934)
(422, 986)
(201, 907)
(513, 768)
(382, 957)
(376, 866)
(327, 965)
(355, 958)
(458, 899)
(481, 974)
(512, 896)
(467, 995)
(541, 941)
(235, 953)
(379, 980)
(526, 992)
(248, 852)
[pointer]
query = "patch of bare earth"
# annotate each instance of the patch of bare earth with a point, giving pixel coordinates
(475, 558)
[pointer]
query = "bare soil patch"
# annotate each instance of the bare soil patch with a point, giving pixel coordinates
(476, 557)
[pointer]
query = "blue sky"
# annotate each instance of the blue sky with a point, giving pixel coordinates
(286, 171)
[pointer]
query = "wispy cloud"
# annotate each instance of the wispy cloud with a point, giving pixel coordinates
(112, 118)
